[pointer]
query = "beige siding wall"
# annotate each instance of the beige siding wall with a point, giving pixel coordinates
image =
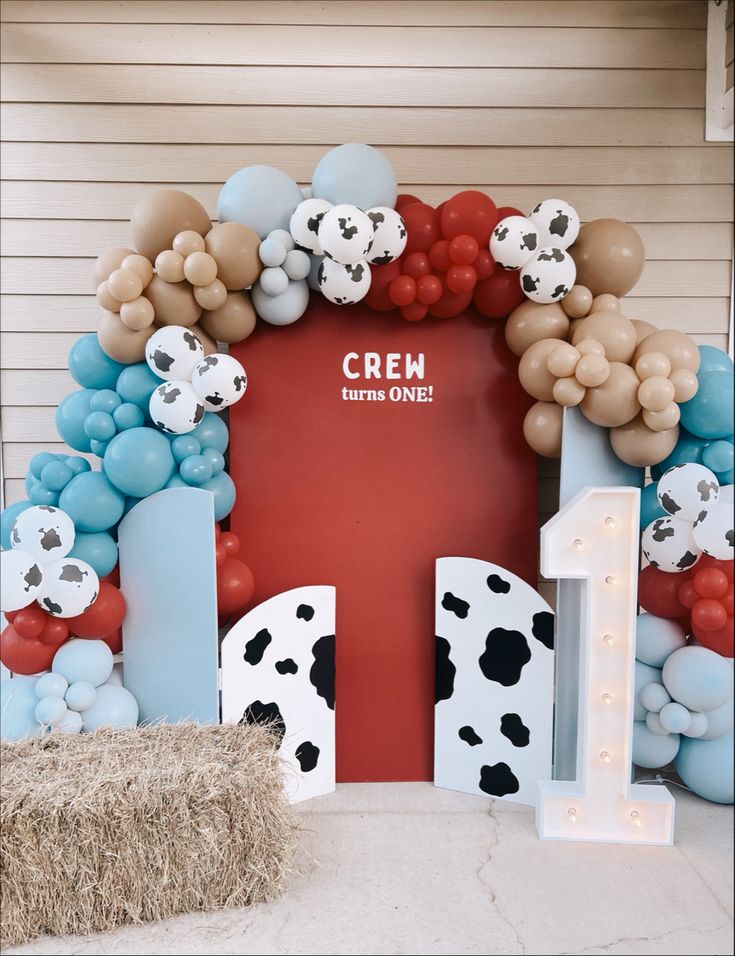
(599, 102)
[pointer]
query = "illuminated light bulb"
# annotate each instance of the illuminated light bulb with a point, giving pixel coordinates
(610, 579)
(610, 521)
(572, 814)
(636, 818)
(578, 544)
(605, 756)
(608, 638)
(607, 698)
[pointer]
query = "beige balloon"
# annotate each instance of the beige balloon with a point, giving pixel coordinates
(578, 302)
(652, 364)
(170, 266)
(563, 360)
(233, 321)
(590, 347)
(106, 299)
(686, 384)
(107, 261)
(542, 428)
(208, 343)
(159, 216)
(121, 343)
(656, 393)
(592, 370)
(200, 268)
(212, 296)
(663, 420)
(531, 322)
(643, 329)
(615, 402)
(235, 249)
(605, 303)
(609, 256)
(533, 372)
(636, 444)
(568, 392)
(187, 242)
(141, 265)
(680, 348)
(137, 314)
(616, 333)
(173, 303)
(125, 285)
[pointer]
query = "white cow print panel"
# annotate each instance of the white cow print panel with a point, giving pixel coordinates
(494, 682)
(278, 667)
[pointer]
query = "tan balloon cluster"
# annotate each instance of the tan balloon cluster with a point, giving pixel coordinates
(185, 272)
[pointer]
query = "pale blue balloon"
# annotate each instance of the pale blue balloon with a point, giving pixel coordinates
(7, 520)
(50, 710)
(114, 707)
(650, 505)
(40, 461)
(223, 489)
(41, 495)
(714, 360)
(80, 695)
(283, 309)
(706, 767)
(644, 674)
(100, 426)
(136, 384)
(675, 718)
(272, 252)
(656, 638)
(92, 502)
(70, 417)
(211, 432)
(176, 481)
(56, 475)
(17, 708)
(195, 470)
(654, 697)
(710, 413)
(718, 456)
(139, 462)
(51, 685)
(651, 750)
(98, 550)
(106, 400)
(261, 197)
(215, 458)
(689, 448)
(83, 660)
(77, 464)
(128, 415)
(184, 445)
(90, 366)
(698, 678)
(719, 722)
(356, 174)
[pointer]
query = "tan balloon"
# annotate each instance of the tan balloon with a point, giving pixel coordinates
(578, 302)
(592, 370)
(573, 326)
(663, 420)
(187, 242)
(542, 428)
(200, 268)
(125, 285)
(141, 265)
(643, 329)
(685, 384)
(568, 392)
(174, 303)
(652, 364)
(107, 261)
(212, 296)
(563, 360)
(605, 303)
(680, 349)
(170, 266)
(137, 314)
(609, 256)
(615, 402)
(208, 343)
(590, 347)
(533, 372)
(159, 216)
(636, 444)
(235, 249)
(656, 393)
(233, 321)
(531, 322)
(121, 343)
(616, 333)
(106, 299)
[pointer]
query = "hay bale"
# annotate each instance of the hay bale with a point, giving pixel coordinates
(134, 825)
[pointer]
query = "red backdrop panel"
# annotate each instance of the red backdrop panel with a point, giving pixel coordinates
(365, 495)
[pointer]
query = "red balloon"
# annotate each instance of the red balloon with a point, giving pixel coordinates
(469, 213)
(55, 631)
(402, 290)
(439, 256)
(114, 641)
(727, 600)
(422, 225)
(219, 553)
(231, 543)
(708, 615)
(414, 312)
(429, 290)
(484, 264)
(720, 641)
(450, 304)
(505, 211)
(461, 279)
(416, 265)
(657, 593)
(217, 531)
(405, 199)
(708, 562)
(497, 296)
(463, 250)
(688, 594)
(10, 616)
(113, 577)
(30, 621)
(380, 280)
(104, 617)
(23, 655)
(235, 586)
(710, 582)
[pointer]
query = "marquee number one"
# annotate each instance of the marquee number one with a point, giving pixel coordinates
(595, 537)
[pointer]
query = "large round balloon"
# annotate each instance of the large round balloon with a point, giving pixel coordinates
(69, 587)
(686, 490)
(90, 366)
(470, 213)
(514, 242)
(92, 502)
(285, 308)
(82, 660)
(172, 353)
(99, 550)
(609, 255)
(531, 322)
(118, 341)
(548, 276)
(556, 222)
(219, 381)
(698, 678)
(104, 617)
(713, 531)
(657, 638)
(658, 593)
(706, 767)
(346, 234)
(139, 461)
(390, 235)
(17, 707)
(46, 533)
(636, 444)
(223, 489)
(710, 413)
(356, 174)
(261, 197)
(652, 750)
(669, 545)
(305, 222)
(234, 247)
(344, 284)
(160, 215)
(114, 706)
(235, 586)
(211, 432)
(21, 579)
(70, 416)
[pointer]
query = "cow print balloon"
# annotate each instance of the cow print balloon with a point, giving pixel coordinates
(344, 284)
(549, 276)
(557, 223)
(390, 236)
(305, 222)
(20, 580)
(45, 532)
(176, 408)
(514, 241)
(346, 234)
(669, 545)
(220, 381)
(172, 352)
(713, 531)
(686, 490)
(70, 586)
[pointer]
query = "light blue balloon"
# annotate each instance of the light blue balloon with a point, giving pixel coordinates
(50, 710)
(80, 695)
(51, 685)
(718, 456)
(710, 413)
(92, 502)
(650, 505)
(114, 707)
(223, 489)
(70, 416)
(726, 477)
(7, 520)
(195, 470)
(644, 674)
(41, 495)
(83, 660)
(130, 503)
(261, 197)
(675, 717)
(99, 426)
(136, 384)
(272, 252)
(77, 464)
(357, 174)
(689, 448)
(184, 445)
(652, 750)
(719, 722)
(698, 678)
(714, 360)
(211, 432)
(706, 767)
(99, 448)
(39, 462)
(656, 638)
(176, 481)
(128, 415)
(56, 475)
(106, 400)
(98, 550)
(139, 461)
(90, 366)
(18, 708)
(283, 309)
(215, 458)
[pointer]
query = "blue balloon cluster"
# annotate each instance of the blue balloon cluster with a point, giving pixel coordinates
(199, 456)
(48, 476)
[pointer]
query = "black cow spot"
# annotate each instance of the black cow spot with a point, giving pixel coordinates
(559, 224)
(376, 218)
(169, 396)
(320, 277)
(266, 715)
(256, 647)
(304, 612)
(730, 537)
(560, 291)
(530, 241)
(543, 628)
(660, 531)
(210, 361)
(469, 736)
(15, 536)
(307, 755)
(215, 399)
(707, 489)
(455, 604)
(192, 341)
(94, 598)
(498, 780)
(355, 272)
(654, 564)
(536, 208)
(47, 508)
(50, 539)
(501, 233)
(33, 578)
(445, 671)
(313, 222)
(686, 561)
(402, 231)
(162, 360)
(240, 382)
(288, 666)
(321, 674)
(668, 504)
(382, 260)
(497, 585)
(198, 414)
(72, 573)
(700, 518)
(500, 264)
(506, 654)
(164, 428)
(530, 284)
(512, 727)
(51, 607)
(552, 255)
(348, 232)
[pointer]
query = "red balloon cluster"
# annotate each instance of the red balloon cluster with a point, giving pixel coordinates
(701, 599)
(235, 584)
(446, 264)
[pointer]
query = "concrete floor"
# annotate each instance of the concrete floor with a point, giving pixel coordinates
(405, 868)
